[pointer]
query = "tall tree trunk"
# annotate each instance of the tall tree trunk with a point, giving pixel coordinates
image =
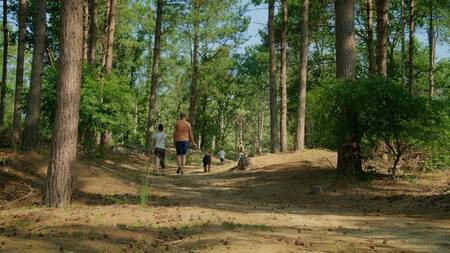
(274, 148)
(106, 136)
(402, 43)
(303, 71)
(19, 71)
(155, 77)
(345, 40)
(431, 51)
(85, 29)
(110, 36)
(370, 51)
(194, 78)
(283, 78)
(64, 140)
(382, 39)
(260, 130)
(31, 133)
(203, 134)
(5, 63)
(105, 31)
(221, 130)
(92, 57)
(348, 163)
(411, 77)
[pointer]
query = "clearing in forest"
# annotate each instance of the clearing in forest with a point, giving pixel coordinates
(269, 208)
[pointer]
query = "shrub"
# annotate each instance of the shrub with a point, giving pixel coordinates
(378, 111)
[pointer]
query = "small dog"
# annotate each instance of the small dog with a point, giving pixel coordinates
(207, 163)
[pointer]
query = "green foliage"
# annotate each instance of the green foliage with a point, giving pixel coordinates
(379, 111)
(106, 104)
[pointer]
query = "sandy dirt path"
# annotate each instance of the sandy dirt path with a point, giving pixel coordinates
(269, 208)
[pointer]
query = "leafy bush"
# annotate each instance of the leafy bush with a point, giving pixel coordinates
(378, 112)
(106, 103)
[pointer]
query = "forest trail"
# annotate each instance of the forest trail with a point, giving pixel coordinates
(268, 208)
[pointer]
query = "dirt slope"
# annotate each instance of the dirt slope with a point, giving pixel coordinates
(266, 209)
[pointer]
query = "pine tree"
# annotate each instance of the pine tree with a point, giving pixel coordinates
(31, 133)
(64, 139)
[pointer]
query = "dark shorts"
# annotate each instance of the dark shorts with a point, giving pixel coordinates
(222, 160)
(182, 147)
(161, 154)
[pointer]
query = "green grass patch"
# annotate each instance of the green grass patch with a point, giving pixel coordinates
(232, 226)
(144, 193)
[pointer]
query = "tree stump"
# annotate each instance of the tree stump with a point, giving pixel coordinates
(349, 160)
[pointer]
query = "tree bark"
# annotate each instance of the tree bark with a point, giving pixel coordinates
(382, 39)
(19, 71)
(411, 77)
(194, 78)
(203, 133)
(283, 78)
(85, 29)
(92, 57)
(105, 30)
(260, 131)
(370, 51)
(31, 133)
(349, 164)
(431, 51)
(110, 36)
(274, 148)
(5, 63)
(345, 40)
(64, 140)
(303, 71)
(155, 76)
(402, 43)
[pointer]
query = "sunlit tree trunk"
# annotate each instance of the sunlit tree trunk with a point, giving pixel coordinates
(345, 40)
(260, 131)
(303, 71)
(85, 29)
(274, 148)
(370, 51)
(431, 51)
(105, 31)
(92, 47)
(31, 133)
(110, 36)
(64, 140)
(17, 118)
(195, 52)
(348, 163)
(283, 78)
(411, 77)
(402, 42)
(382, 22)
(155, 76)
(5, 63)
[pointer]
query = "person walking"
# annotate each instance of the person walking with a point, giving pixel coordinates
(222, 156)
(183, 137)
(160, 149)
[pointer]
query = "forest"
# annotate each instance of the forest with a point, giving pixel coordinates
(337, 102)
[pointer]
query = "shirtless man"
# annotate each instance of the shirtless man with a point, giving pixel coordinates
(182, 136)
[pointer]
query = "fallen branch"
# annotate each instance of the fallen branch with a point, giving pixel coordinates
(10, 194)
(22, 198)
(331, 164)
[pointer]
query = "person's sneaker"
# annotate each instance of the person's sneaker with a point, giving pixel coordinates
(178, 170)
